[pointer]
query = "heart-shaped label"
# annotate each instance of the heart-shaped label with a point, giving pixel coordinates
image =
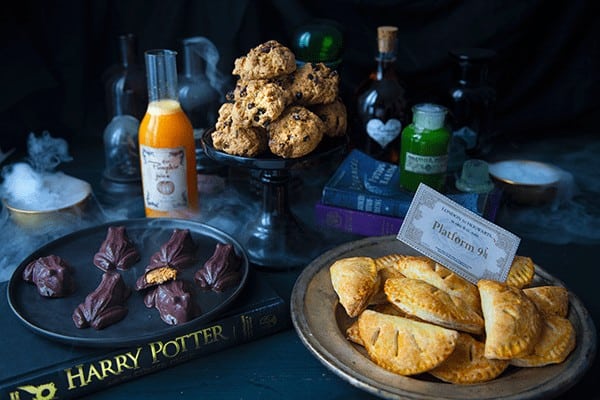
(382, 133)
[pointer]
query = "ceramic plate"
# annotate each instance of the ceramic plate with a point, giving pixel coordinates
(53, 317)
(321, 322)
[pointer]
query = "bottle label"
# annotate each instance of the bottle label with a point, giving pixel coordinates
(164, 177)
(426, 165)
(382, 133)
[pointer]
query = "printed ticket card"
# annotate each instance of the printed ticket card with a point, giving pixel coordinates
(457, 238)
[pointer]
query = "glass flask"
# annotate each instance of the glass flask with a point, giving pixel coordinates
(166, 139)
(201, 92)
(125, 86)
(126, 96)
(319, 40)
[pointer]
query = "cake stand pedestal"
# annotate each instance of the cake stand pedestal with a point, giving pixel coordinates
(275, 238)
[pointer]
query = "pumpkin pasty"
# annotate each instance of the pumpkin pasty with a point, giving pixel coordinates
(402, 345)
(355, 281)
(513, 323)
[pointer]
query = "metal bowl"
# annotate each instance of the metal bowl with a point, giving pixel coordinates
(526, 182)
(30, 218)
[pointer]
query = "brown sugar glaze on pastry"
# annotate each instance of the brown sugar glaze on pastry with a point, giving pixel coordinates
(177, 252)
(174, 302)
(221, 270)
(51, 275)
(116, 251)
(105, 305)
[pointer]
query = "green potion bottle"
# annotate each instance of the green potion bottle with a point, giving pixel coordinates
(424, 148)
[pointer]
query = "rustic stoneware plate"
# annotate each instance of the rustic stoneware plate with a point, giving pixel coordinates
(321, 322)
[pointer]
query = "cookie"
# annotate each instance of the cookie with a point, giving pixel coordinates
(257, 103)
(295, 133)
(334, 116)
(240, 141)
(314, 83)
(267, 60)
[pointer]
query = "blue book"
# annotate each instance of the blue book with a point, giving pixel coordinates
(363, 183)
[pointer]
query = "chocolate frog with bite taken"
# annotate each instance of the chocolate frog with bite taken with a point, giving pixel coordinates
(106, 305)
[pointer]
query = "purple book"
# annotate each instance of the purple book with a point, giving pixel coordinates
(357, 222)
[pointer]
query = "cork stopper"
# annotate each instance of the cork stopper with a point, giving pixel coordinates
(386, 39)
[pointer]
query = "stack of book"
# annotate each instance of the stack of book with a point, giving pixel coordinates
(364, 197)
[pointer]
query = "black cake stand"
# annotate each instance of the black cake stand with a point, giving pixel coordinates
(277, 239)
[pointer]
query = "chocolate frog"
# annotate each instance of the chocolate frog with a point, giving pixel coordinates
(174, 302)
(105, 305)
(156, 274)
(177, 252)
(221, 270)
(116, 251)
(51, 275)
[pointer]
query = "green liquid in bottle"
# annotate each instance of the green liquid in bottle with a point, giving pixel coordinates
(424, 148)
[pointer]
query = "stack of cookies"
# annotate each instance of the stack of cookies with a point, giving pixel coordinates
(279, 107)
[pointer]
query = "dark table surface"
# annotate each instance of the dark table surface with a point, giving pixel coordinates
(280, 366)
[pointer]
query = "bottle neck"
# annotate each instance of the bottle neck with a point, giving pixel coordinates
(192, 62)
(470, 73)
(161, 72)
(385, 64)
(127, 50)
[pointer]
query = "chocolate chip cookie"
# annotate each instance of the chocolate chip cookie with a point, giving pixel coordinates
(267, 60)
(295, 133)
(334, 116)
(314, 83)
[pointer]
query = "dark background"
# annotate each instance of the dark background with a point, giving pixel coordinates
(54, 53)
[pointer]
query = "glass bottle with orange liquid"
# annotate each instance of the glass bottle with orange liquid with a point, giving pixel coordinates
(167, 148)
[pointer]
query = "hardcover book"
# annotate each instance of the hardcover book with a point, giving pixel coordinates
(34, 367)
(364, 184)
(357, 222)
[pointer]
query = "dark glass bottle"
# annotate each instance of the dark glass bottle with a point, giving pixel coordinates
(472, 101)
(200, 83)
(381, 104)
(319, 40)
(125, 85)
(126, 97)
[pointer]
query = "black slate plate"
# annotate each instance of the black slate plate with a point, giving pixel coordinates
(53, 317)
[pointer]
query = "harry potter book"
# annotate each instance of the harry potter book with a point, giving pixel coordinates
(34, 367)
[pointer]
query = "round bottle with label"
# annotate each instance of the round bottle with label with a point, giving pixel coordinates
(381, 103)
(424, 148)
(166, 141)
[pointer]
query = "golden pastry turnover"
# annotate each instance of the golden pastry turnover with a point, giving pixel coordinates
(355, 281)
(513, 323)
(402, 345)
